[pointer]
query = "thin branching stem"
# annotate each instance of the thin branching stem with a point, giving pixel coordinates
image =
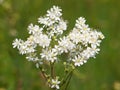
(43, 73)
(66, 78)
(68, 81)
(52, 70)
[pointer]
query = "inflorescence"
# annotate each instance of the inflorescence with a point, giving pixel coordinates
(47, 42)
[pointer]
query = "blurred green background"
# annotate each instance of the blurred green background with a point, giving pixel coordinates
(102, 73)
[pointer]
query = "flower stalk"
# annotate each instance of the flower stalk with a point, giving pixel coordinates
(52, 70)
(43, 73)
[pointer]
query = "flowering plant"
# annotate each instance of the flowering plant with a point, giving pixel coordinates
(47, 43)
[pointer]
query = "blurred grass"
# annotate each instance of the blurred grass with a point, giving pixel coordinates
(101, 73)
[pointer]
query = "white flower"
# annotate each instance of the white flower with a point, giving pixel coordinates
(95, 49)
(26, 47)
(55, 83)
(65, 45)
(62, 26)
(57, 28)
(79, 60)
(32, 57)
(17, 43)
(101, 36)
(85, 37)
(79, 22)
(30, 41)
(45, 21)
(54, 13)
(49, 55)
(42, 40)
(75, 36)
(84, 27)
(94, 38)
(90, 52)
(34, 29)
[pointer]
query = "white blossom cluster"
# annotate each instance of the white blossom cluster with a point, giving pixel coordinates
(46, 41)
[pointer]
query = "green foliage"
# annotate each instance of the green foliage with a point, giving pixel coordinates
(102, 73)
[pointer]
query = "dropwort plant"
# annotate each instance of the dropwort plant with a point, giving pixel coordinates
(47, 43)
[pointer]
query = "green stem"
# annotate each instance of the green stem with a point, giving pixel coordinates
(52, 69)
(43, 73)
(68, 80)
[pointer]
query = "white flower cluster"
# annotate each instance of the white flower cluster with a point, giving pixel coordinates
(81, 43)
(46, 41)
